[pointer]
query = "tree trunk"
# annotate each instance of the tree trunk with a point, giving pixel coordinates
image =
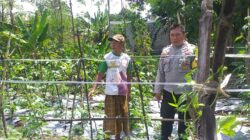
(204, 40)
(205, 24)
(2, 12)
(11, 3)
(207, 125)
(61, 36)
(248, 52)
(223, 29)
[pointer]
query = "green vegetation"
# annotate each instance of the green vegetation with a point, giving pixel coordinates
(71, 52)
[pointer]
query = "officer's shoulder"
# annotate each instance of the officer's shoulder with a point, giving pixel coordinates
(191, 46)
(166, 47)
(165, 50)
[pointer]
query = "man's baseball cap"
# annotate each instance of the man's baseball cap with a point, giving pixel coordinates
(117, 37)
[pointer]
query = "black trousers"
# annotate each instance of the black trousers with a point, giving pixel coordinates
(168, 111)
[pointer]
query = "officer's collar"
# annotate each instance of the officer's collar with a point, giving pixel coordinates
(177, 46)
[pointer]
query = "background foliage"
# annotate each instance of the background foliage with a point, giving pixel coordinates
(48, 33)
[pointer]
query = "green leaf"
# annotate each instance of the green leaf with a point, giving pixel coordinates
(135, 112)
(238, 38)
(43, 27)
(228, 132)
(173, 104)
(188, 76)
(182, 99)
(227, 124)
(23, 27)
(13, 36)
(201, 104)
(242, 52)
(43, 34)
(173, 97)
(44, 19)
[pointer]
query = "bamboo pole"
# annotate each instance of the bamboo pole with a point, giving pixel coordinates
(74, 43)
(11, 2)
(139, 80)
(108, 15)
(72, 116)
(84, 67)
(61, 42)
(3, 86)
(142, 100)
(2, 13)
(84, 79)
(140, 87)
(128, 96)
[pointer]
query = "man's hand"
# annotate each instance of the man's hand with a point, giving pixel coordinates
(90, 94)
(98, 79)
(158, 96)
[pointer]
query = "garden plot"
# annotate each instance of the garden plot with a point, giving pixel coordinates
(61, 128)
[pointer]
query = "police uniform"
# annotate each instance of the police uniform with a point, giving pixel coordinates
(175, 62)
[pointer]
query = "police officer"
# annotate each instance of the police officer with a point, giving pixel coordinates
(175, 61)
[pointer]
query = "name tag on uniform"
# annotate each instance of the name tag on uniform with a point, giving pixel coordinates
(184, 64)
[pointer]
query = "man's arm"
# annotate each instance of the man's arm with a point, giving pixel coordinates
(160, 77)
(99, 77)
(101, 70)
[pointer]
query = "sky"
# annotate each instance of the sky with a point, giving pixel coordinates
(79, 8)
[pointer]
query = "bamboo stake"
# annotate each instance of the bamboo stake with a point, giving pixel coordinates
(2, 112)
(72, 116)
(73, 31)
(67, 102)
(108, 15)
(142, 100)
(61, 25)
(84, 68)
(2, 86)
(85, 79)
(141, 94)
(128, 96)
(2, 13)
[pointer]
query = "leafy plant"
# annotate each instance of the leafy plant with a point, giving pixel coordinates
(226, 125)
(38, 32)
